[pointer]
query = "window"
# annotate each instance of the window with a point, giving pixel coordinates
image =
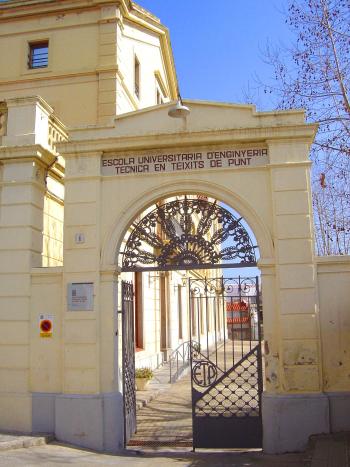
(201, 314)
(38, 54)
(179, 303)
(160, 89)
(159, 97)
(138, 311)
(137, 77)
(193, 310)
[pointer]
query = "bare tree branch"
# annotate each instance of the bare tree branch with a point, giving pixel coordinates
(314, 73)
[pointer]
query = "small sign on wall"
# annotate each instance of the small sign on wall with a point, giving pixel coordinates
(80, 296)
(46, 325)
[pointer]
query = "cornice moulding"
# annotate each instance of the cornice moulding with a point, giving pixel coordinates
(182, 139)
(35, 151)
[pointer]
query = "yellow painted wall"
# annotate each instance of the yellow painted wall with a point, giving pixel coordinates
(90, 74)
(333, 275)
(46, 354)
(70, 82)
(275, 201)
(52, 232)
(27, 240)
(81, 358)
(135, 41)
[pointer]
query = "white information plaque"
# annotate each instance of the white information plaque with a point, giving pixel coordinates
(81, 296)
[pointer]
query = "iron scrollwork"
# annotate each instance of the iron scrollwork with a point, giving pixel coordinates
(187, 233)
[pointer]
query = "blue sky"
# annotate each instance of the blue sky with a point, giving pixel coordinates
(218, 45)
(218, 48)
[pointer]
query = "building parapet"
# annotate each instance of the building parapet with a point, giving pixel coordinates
(30, 121)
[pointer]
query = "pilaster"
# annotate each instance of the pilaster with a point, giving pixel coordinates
(109, 331)
(271, 320)
(107, 66)
(81, 329)
(21, 225)
(296, 277)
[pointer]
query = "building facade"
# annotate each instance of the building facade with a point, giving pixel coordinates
(86, 149)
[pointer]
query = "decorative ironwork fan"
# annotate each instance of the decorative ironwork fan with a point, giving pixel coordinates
(188, 234)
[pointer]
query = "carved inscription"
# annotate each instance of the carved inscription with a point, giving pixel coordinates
(186, 161)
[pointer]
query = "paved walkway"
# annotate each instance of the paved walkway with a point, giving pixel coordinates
(55, 455)
(156, 386)
(167, 419)
(324, 451)
(330, 450)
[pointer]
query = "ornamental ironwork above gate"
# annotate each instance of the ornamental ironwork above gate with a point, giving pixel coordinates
(188, 233)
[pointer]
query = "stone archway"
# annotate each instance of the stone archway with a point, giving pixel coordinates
(106, 191)
(117, 232)
(197, 234)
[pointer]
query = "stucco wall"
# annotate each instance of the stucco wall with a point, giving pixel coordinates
(52, 232)
(90, 73)
(274, 198)
(333, 275)
(46, 357)
(67, 83)
(146, 46)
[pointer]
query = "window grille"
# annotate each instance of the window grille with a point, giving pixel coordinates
(38, 55)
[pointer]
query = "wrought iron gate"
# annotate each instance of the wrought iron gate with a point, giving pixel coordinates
(128, 355)
(226, 365)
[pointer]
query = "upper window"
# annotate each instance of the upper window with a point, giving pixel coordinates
(38, 54)
(137, 77)
(159, 97)
(161, 92)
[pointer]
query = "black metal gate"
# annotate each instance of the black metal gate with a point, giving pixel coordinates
(226, 362)
(128, 355)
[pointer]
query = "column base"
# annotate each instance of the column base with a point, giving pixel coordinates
(94, 422)
(339, 410)
(43, 412)
(289, 420)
